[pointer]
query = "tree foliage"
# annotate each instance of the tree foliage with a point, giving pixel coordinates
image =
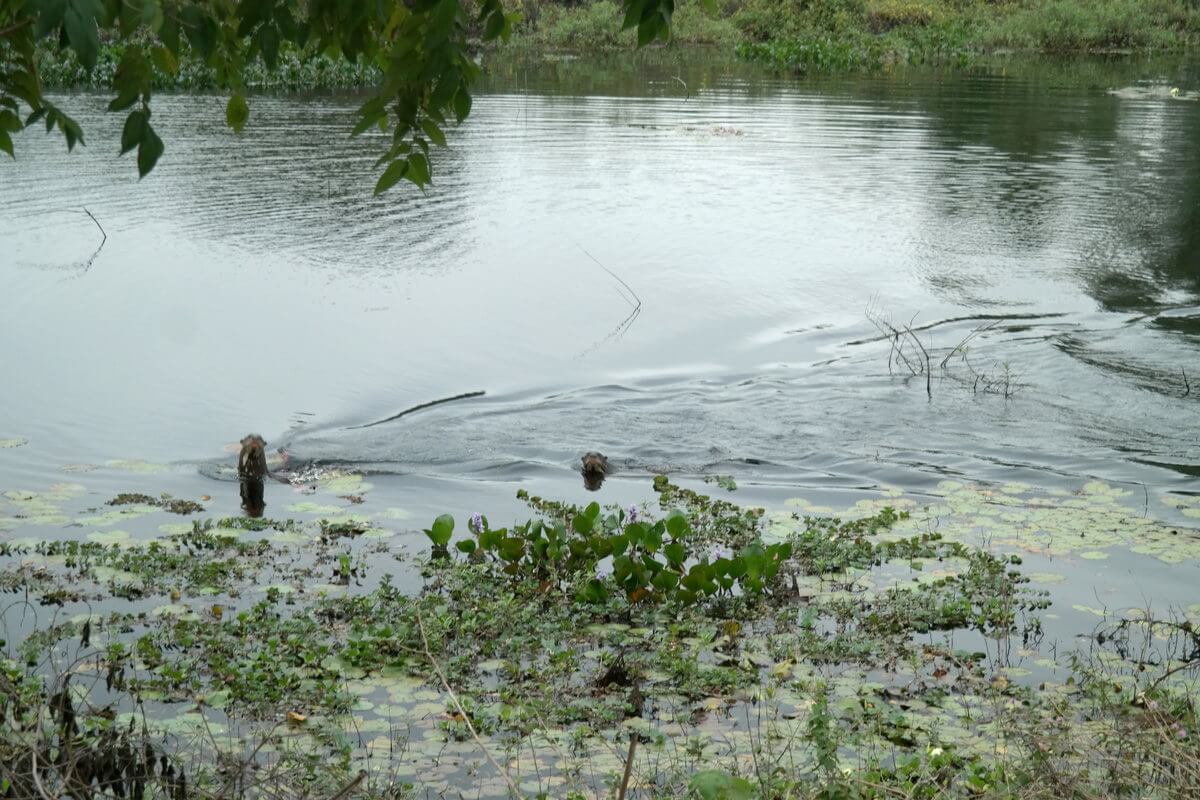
(422, 47)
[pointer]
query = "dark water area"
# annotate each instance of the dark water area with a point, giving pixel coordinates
(254, 283)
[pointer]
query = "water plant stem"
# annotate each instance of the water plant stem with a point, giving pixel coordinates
(512, 785)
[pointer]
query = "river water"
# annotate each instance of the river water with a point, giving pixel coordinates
(254, 283)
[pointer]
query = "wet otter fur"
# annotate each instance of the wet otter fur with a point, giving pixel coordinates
(252, 460)
(595, 470)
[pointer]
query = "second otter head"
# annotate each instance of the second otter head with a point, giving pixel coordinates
(252, 460)
(595, 468)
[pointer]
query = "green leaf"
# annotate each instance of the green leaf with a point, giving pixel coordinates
(494, 26)
(648, 31)
(675, 553)
(149, 151)
(418, 170)
(582, 524)
(134, 131)
(71, 131)
(512, 548)
(391, 175)
(652, 540)
(633, 13)
(665, 580)
(6, 143)
(442, 530)
(466, 546)
(462, 103)
(50, 17)
(268, 43)
(152, 14)
(369, 114)
(433, 132)
(201, 30)
(237, 112)
(168, 33)
(677, 525)
(79, 21)
(165, 60)
(594, 592)
(9, 122)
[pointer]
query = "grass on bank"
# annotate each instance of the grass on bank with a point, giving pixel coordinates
(853, 34)
(794, 35)
(846, 34)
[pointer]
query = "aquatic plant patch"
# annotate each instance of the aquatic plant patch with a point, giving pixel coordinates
(893, 648)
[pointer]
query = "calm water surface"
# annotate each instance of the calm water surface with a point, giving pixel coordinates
(253, 282)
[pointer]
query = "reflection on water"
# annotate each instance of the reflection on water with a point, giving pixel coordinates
(253, 282)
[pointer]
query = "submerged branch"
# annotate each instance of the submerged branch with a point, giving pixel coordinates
(924, 352)
(419, 407)
(628, 288)
(103, 233)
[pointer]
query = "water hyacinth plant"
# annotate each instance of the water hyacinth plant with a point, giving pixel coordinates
(651, 561)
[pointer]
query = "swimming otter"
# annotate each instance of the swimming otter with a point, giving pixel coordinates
(595, 469)
(252, 461)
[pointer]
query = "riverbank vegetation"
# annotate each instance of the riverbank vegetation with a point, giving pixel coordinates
(843, 34)
(693, 649)
(853, 34)
(796, 35)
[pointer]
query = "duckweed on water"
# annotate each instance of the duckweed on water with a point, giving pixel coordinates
(895, 650)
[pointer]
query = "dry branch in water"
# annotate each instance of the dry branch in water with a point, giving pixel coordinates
(919, 359)
(512, 785)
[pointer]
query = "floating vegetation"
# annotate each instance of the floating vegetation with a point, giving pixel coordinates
(704, 649)
(726, 482)
(16, 441)
(174, 505)
(137, 465)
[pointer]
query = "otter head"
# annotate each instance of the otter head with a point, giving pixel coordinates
(252, 461)
(595, 468)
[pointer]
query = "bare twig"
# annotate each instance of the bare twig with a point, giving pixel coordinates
(1172, 671)
(687, 92)
(16, 26)
(625, 324)
(638, 303)
(37, 780)
(924, 352)
(976, 332)
(633, 740)
(512, 785)
(350, 787)
(103, 233)
(636, 699)
(1187, 387)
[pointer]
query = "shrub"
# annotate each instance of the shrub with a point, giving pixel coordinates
(883, 15)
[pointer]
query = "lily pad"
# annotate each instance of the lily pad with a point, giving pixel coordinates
(309, 507)
(16, 441)
(137, 465)
(109, 537)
